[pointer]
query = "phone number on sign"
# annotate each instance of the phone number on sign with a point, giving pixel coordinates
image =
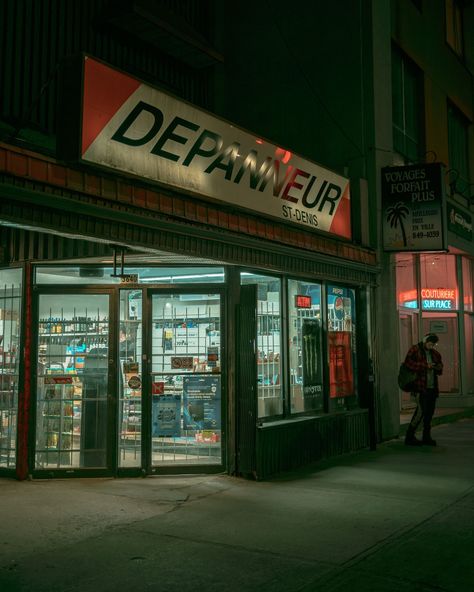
(429, 234)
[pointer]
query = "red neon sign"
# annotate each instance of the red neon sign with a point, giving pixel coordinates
(302, 301)
(439, 293)
(432, 294)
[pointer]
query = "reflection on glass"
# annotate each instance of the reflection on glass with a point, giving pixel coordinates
(72, 381)
(269, 391)
(10, 329)
(185, 379)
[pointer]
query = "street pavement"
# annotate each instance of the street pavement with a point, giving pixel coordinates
(395, 519)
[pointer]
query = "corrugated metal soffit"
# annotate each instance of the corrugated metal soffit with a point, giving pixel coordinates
(26, 245)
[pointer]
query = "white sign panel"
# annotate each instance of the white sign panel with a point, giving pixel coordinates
(132, 127)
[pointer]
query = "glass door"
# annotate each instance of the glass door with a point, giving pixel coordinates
(72, 381)
(186, 373)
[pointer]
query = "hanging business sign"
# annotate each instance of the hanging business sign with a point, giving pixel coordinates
(413, 208)
(459, 222)
(132, 127)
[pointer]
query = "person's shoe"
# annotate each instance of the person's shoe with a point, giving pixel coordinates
(428, 441)
(411, 440)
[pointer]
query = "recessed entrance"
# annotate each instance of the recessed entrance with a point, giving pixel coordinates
(129, 379)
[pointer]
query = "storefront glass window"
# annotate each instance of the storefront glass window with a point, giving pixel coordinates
(445, 325)
(130, 378)
(10, 329)
(408, 307)
(469, 340)
(146, 275)
(341, 347)
(305, 347)
(269, 350)
(439, 287)
(467, 280)
(407, 295)
(186, 420)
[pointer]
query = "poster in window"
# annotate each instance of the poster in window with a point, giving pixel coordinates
(341, 375)
(312, 371)
(202, 402)
(166, 415)
(340, 309)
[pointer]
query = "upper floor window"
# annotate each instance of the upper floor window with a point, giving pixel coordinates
(407, 101)
(454, 26)
(458, 151)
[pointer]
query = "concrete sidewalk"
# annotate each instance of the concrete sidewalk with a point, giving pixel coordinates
(398, 519)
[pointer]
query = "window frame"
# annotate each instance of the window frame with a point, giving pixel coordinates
(346, 403)
(458, 132)
(410, 76)
(454, 27)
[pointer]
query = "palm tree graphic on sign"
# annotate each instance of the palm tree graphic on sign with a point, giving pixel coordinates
(395, 216)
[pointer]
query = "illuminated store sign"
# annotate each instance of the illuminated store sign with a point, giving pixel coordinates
(302, 301)
(408, 299)
(438, 299)
(431, 299)
(132, 127)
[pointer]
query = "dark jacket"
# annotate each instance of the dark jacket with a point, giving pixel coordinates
(416, 361)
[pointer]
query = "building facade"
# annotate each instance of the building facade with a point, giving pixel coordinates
(431, 56)
(193, 270)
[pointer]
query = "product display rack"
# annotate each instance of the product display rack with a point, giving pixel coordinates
(61, 424)
(64, 344)
(187, 331)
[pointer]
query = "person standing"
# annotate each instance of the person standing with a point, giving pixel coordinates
(423, 359)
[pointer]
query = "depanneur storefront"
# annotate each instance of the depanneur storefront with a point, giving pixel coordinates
(180, 295)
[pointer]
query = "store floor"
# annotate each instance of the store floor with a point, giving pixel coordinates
(395, 519)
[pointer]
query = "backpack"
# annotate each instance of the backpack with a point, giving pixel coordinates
(406, 378)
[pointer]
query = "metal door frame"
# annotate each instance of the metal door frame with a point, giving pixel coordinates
(111, 437)
(198, 288)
